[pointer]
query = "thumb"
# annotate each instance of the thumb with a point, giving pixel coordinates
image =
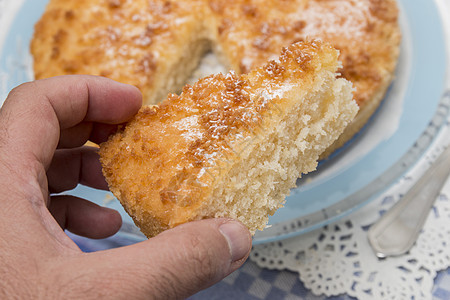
(172, 265)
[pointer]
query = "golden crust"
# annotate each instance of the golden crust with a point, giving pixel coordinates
(135, 42)
(139, 42)
(165, 164)
(365, 31)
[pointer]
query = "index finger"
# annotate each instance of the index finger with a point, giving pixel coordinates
(34, 113)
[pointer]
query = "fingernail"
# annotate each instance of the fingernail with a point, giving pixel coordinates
(238, 239)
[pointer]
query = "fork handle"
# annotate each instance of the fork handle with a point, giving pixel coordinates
(397, 230)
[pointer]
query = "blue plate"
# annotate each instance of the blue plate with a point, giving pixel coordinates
(403, 128)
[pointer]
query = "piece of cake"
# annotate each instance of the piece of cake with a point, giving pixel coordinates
(230, 145)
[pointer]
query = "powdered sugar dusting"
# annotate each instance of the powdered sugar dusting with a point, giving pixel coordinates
(190, 128)
(343, 18)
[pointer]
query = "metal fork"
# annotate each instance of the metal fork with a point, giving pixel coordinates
(397, 230)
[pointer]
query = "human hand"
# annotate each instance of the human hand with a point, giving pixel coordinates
(43, 125)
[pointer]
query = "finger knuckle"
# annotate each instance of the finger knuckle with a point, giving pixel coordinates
(19, 90)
